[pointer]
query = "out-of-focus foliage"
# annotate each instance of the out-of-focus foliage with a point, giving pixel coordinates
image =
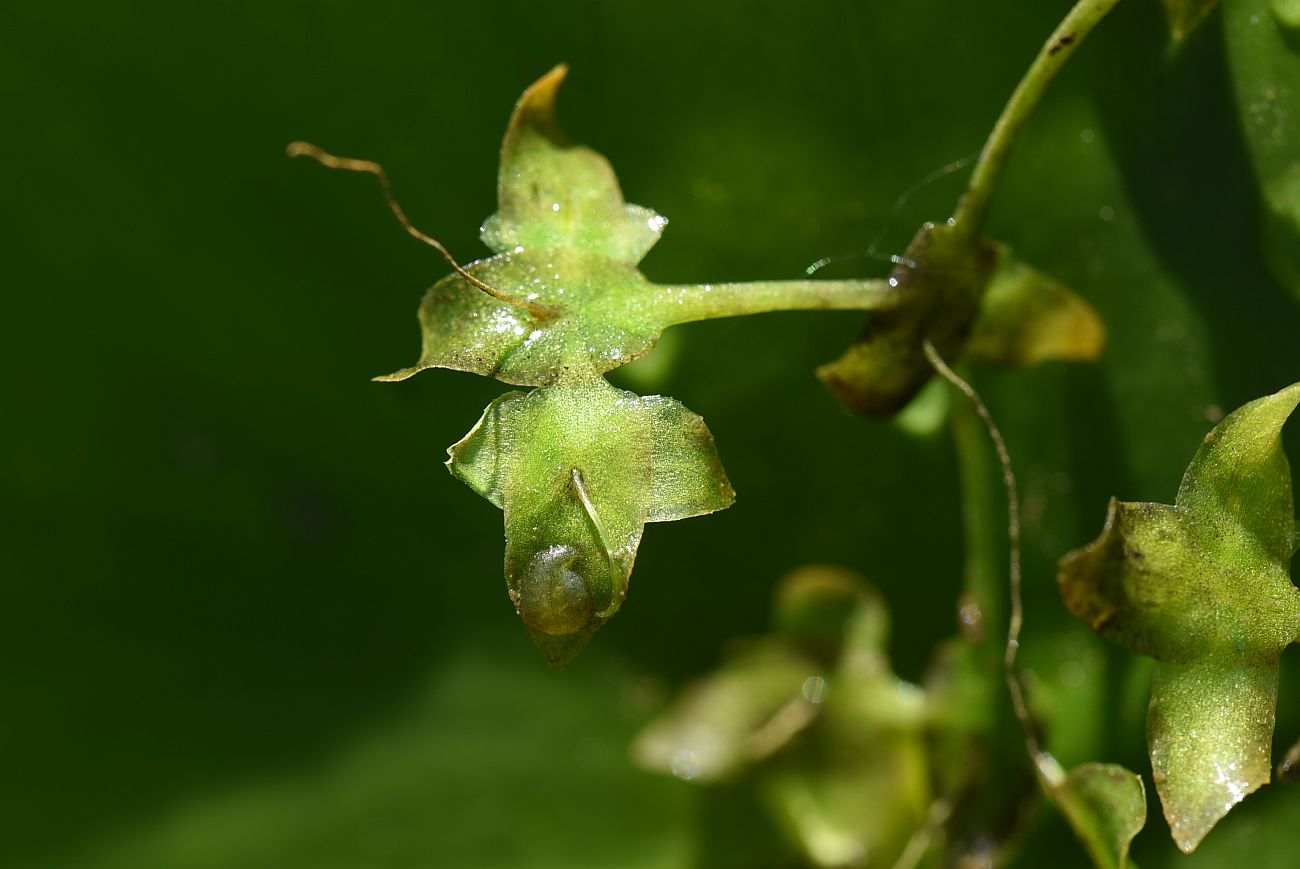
(857, 765)
(1263, 42)
(244, 628)
(1203, 587)
(1184, 15)
(816, 722)
(1028, 318)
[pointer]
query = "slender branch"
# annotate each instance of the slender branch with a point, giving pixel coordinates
(1016, 621)
(689, 303)
(350, 164)
(973, 205)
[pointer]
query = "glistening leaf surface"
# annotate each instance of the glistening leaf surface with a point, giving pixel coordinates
(570, 298)
(1203, 587)
(578, 469)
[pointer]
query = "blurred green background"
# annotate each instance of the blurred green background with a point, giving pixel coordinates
(249, 621)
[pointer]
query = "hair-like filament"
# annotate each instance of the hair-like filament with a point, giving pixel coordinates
(578, 483)
(1045, 766)
(350, 164)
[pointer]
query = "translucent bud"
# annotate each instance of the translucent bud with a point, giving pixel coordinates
(553, 598)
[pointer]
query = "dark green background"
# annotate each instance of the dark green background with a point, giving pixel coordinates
(247, 620)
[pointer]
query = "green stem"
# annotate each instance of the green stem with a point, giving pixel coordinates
(686, 304)
(974, 203)
(981, 507)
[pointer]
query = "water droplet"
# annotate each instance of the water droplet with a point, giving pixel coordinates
(555, 206)
(814, 689)
(552, 598)
(970, 618)
(684, 765)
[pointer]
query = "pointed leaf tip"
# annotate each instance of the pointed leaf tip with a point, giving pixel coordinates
(1240, 473)
(1209, 733)
(554, 193)
(563, 297)
(1204, 588)
(536, 106)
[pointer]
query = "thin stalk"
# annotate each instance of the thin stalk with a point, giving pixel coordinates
(982, 548)
(686, 304)
(370, 167)
(974, 203)
(985, 574)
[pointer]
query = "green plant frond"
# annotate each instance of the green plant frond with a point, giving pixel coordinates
(578, 469)
(1203, 587)
(568, 298)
